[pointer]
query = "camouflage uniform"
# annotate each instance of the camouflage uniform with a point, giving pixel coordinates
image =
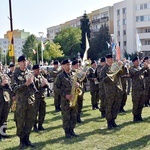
(63, 85)
(25, 113)
(40, 104)
(112, 97)
(137, 92)
(101, 91)
(57, 97)
(5, 92)
(94, 88)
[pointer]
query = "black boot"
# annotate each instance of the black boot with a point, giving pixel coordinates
(35, 128)
(22, 143)
(59, 108)
(96, 106)
(56, 109)
(73, 133)
(135, 118)
(103, 114)
(140, 118)
(109, 125)
(40, 127)
(67, 134)
(79, 119)
(28, 142)
(93, 107)
(0, 137)
(113, 123)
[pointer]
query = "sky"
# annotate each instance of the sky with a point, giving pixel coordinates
(37, 15)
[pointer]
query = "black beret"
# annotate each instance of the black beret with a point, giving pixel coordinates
(74, 62)
(56, 62)
(103, 59)
(65, 61)
(93, 61)
(35, 67)
(11, 65)
(134, 59)
(109, 56)
(21, 58)
(145, 58)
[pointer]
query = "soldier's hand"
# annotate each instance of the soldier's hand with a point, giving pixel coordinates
(29, 81)
(68, 97)
(4, 82)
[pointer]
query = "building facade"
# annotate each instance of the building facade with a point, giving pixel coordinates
(97, 19)
(132, 20)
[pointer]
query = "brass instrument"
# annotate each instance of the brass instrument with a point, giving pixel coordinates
(75, 91)
(112, 74)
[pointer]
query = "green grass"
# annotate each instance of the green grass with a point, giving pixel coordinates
(93, 133)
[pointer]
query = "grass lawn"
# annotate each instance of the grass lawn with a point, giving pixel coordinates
(93, 133)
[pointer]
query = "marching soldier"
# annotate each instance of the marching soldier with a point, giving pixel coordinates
(57, 97)
(63, 84)
(81, 79)
(101, 86)
(40, 104)
(137, 75)
(5, 91)
(24, 90)
(94, 85)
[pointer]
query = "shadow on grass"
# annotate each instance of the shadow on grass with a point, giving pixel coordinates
(139, 143)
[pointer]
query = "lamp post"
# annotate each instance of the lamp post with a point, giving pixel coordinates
(41, 35)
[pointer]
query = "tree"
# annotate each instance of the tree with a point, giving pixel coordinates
(85, 28)
(69, 40)
(99, 47)
(29, 45)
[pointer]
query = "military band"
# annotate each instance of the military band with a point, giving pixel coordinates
(108, 88)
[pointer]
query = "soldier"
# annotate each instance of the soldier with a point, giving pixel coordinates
(94, 85)
(101, 86)
(112, 92)
(147, 83)
(81, 80)
(63, 84)
(137, 75)
(5, 92)
(40, 105)
(57, 97)
(24, 90)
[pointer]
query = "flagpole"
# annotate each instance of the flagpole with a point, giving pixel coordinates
(41, 35)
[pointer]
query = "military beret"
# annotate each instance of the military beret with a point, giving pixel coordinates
(35, 67)
(109, 56)
(66, 61)
(103, 59)
(145, 58)
(134, 59)
(21, 58)
(93, 61)
(56, 62)
(11, 65)
(74, 62)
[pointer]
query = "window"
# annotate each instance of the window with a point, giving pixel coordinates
(124, 10)
(124, 43)
(145, 6)
(118, 12)
(124, 32)
(118, 22)
(141, 6)
(124, 21)
(138, 7)
(118, 33)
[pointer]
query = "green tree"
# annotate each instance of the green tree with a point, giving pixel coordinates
(69, 40)
(85, 28)
(29, 45)
(98, 45)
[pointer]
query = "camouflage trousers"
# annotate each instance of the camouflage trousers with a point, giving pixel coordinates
(57, 99)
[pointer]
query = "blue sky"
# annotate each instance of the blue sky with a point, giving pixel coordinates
(36, 15)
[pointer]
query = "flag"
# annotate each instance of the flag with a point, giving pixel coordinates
(118, 51)
(42, 46)
(113, 45)
(86, 49)
(34, 51)
(138, 43)
(108, 45)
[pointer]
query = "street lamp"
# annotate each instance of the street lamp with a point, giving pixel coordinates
(41, 35)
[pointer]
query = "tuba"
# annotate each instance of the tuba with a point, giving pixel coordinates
(75, 91)
(112, 74)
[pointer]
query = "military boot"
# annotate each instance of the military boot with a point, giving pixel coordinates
(140, 118)
(56, 109)
(109, 125)
(67, 134)
(79, 119)
(35, 128)
(73, 133)
(103, 114)
(135, 118)
(22, 143)
(28, 142)
(40, 127)
(113, 123)
(96, 106)
(59, 108)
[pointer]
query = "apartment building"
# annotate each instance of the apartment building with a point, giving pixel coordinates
(132, 18)
(97, 19)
